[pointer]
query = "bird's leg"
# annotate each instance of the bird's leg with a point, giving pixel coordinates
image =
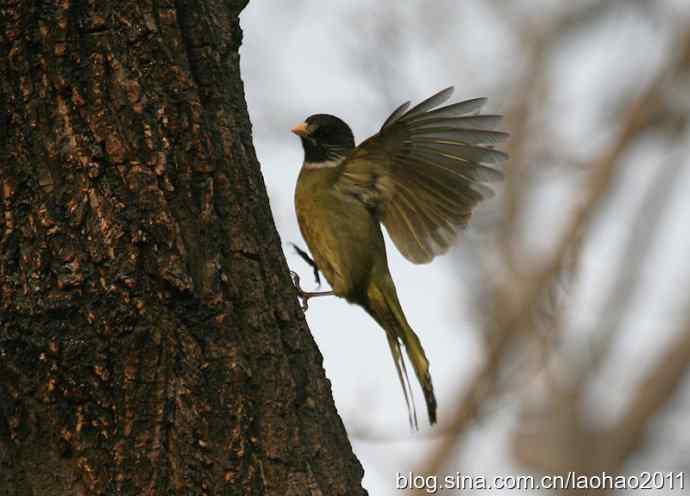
(305, 295)
(303, 254)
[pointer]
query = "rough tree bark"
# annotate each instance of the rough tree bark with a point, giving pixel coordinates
(150, 339)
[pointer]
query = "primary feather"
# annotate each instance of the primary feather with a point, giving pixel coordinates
(422, 173)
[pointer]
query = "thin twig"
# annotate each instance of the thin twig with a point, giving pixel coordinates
(520, 304)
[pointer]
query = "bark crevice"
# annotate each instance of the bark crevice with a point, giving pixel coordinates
(150, 338)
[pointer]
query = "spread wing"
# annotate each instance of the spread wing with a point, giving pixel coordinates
(422, 173)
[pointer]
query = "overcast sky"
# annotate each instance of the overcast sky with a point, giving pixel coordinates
(358, 60)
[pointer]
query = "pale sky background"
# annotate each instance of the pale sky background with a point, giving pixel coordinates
(304, 57)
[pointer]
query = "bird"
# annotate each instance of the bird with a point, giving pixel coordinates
(420, 177)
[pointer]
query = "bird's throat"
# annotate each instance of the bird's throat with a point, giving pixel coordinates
(323, 164)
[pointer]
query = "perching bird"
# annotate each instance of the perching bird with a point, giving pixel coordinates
(420, 176)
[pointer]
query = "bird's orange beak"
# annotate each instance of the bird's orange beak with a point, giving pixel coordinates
(300, 129)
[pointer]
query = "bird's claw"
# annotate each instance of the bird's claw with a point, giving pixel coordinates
(304, 300)
(305, 295)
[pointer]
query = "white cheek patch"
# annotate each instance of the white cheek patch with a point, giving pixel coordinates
(326, 164)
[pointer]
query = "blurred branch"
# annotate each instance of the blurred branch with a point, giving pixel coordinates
(533, 89)
(652, 395)
(563, 443)
(518, 120)
(517, 298)
(552, 437)
(645, 231)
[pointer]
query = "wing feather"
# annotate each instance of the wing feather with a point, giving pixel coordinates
(481, 121)
(431, 102)
(424, 172)
(397, 113)
(458, 109)
(466, 136)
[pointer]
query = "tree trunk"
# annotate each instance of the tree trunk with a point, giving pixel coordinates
(150, 338)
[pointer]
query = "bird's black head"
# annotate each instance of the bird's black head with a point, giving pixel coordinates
(324, 137)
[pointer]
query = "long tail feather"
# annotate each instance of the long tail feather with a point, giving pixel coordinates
(404, 380)
(384, 306)
(421, 366)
